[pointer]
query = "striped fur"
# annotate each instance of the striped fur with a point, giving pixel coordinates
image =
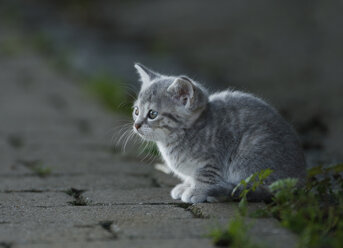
(212, 142)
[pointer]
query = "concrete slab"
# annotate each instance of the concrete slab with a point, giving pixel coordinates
(82, 158)
(165, 180)
(130, 196)
(142, 243)
(46, 234)
(86, 215)
(34, 199)
(64, 182)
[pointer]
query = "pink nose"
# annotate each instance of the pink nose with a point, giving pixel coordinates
(138, 125)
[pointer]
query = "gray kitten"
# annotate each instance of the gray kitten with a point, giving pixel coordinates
(212, 142)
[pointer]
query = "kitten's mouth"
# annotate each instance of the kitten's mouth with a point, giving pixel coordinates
(142, 135)
(137, 131)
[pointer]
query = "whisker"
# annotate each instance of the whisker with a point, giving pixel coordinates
(142, 149)
(122, 136)
(126, 141)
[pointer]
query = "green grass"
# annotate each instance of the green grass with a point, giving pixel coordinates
(250, 184)
(110, 91)
(107, 88)
(234, 236)
(47, 46)
(41, 171)
(43, 43)
(313, 212)
(37, 167)
(151, 149)
(11, 46)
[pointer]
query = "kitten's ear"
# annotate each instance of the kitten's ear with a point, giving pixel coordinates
(146, 75)
(182, 89)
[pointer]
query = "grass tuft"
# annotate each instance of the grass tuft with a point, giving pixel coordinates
(110, 92)
(235, 236)
(250, 184)
(314, 212)
(42, 171)
(37, 167)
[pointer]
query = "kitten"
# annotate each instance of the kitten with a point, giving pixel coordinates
(212, 142)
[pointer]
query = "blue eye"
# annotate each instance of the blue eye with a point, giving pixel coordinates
(152, 114)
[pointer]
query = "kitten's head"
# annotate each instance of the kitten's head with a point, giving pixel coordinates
(166, 105)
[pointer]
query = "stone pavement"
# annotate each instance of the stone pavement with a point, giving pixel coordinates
(62, 183)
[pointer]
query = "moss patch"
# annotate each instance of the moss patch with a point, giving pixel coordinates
(110, 91)
(37, 167)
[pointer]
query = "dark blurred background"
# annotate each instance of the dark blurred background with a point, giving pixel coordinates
(288, 52)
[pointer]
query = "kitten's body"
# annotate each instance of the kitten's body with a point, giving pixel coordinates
(212, 143)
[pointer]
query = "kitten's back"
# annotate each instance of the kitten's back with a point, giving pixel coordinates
(266, 140)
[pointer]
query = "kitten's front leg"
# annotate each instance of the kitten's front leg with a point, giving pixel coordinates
(202, 192)
(196, 193)
(179, 189)
(207, 185)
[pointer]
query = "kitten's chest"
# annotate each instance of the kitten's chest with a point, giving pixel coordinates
(178, 161)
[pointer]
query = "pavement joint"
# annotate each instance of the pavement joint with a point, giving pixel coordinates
(79, 199)
(27, 191)
(197, 213)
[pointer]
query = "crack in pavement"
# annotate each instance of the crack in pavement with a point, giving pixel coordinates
(79, 199)
(193, 209)
(34, 174)
(110, 227)
(107, 225)
(26, 191)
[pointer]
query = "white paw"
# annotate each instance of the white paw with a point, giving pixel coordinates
(192, 195)
(178, 190)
